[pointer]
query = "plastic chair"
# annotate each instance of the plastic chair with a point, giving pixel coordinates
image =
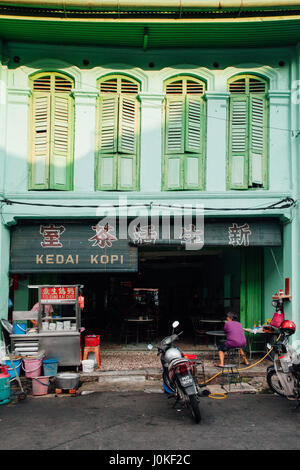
(234, 355)
(92, 349)
(198, 330)
(230, 371)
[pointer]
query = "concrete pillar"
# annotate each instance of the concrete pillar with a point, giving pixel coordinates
(17, 144)
(216, 142)
(151, 142)
(279, 169)
(84, 145)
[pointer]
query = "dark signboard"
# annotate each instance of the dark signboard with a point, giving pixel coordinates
(94, 246)
(243, 232)
(55, 246)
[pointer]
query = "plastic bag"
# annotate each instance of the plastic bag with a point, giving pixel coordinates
(277, 319)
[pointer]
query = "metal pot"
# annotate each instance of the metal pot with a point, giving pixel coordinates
(67, 380)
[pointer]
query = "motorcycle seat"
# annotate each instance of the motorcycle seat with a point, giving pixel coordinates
(177, 362)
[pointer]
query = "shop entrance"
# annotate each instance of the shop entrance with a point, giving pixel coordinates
(205, 284)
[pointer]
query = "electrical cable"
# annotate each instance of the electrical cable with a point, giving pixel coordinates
(287, 203)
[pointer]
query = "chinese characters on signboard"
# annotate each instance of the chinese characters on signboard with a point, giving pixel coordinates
(89, 246)
(58, 294)
(51, 235)
(239, 235)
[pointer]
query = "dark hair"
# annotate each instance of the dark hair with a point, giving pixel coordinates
(232, 315)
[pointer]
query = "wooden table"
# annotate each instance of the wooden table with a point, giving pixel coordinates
(138, 323)
(216, 333)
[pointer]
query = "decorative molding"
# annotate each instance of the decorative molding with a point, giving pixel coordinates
(264, 71)
(122, 69)
(217, 95)
(192, 70)
(52, 65)
(279, 94)
(19, 95)
(151, 100)
(85, 97)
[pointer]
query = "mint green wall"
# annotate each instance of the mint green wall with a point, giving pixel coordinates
(283, 146)
(273, 278)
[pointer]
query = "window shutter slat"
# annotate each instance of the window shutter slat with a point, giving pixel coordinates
(61, 142)
(174, 141)
(194, 142)
(127, 125)
(175, 111)
(257, 138)
(117, 143)
(108, 124)
(52, 146)
(194, 116)
(238, 142)
(127, 143)
(39, 166)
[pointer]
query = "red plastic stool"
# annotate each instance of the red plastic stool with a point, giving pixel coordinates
(94, 349)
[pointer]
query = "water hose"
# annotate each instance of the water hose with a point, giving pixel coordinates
(220, 396)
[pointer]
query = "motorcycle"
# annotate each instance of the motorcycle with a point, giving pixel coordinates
(283, 376)
(179, 375)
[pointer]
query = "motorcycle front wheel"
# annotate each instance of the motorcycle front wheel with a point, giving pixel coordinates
(194, 406)
(274, 382)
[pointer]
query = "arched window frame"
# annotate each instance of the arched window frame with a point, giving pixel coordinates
(117, 133)
(184, 133)
(247, 155)
(51, 132)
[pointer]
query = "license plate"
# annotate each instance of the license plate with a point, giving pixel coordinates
(186, 380)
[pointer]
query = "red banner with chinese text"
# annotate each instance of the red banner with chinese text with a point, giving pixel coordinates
(58, 294)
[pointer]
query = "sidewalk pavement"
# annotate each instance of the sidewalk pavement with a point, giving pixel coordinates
(149, 380)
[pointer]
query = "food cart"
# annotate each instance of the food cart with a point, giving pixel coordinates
(57, 333)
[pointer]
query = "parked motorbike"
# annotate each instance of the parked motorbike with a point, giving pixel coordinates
(179, 375)
(283, 376)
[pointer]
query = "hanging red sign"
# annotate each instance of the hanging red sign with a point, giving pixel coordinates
(58, 294)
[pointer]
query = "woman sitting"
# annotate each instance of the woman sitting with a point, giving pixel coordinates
(235, 338)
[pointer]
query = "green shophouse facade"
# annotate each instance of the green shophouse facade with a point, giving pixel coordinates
(168, 105)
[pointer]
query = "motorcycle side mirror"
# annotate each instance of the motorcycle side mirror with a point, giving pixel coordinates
(175, 324)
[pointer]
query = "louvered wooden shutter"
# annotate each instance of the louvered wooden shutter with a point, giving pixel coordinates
(127, 142)
(107, 141)
(61, 167)
(184, 134)
(40, 148)
(118, 138)
(257, 140)
(174, 141)
(248, 133)
(51, 164)
(194, 142)
(238, 144)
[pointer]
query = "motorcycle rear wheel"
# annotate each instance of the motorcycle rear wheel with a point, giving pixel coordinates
(194, 406)
(274, 383)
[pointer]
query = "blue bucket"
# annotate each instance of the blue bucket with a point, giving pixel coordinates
(19, 328)
(17, 363)
(4, 390)
(50, 367)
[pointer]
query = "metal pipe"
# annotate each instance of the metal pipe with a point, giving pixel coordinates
(159, 5)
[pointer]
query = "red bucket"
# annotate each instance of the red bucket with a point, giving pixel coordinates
(92, 340)
(191, 357)
(4, 369)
